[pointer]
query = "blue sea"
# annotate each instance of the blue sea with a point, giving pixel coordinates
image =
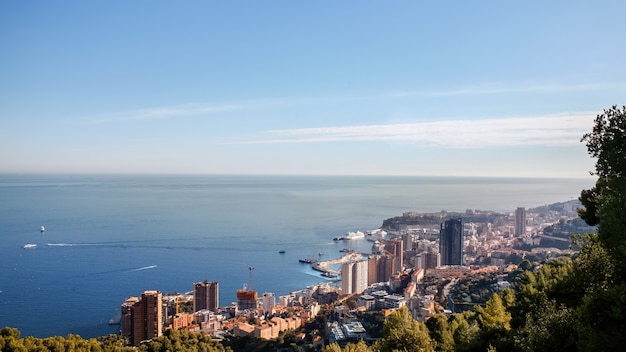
(111, 237)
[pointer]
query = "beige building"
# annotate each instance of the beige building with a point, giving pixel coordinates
(142, 319)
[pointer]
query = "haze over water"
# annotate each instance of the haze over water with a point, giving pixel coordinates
(111, 237)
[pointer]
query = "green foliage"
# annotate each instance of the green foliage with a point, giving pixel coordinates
(333, 347)
(494, 316)
(465, 330)
(182, 340)
(606, 202)
(440, 332)
(360, 346)
(607, 142)
(601, 265)
(551, 329)
(402, 333)
(10, 341)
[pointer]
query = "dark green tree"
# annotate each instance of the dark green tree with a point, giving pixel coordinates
(602, 260)
(605, 204)
(440, 332)
(403, 333)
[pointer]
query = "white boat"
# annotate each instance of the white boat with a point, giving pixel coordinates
(30, 245)
(355, 235)
(43, 229)
(351, 236)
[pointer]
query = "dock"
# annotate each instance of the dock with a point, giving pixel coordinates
(323, 265)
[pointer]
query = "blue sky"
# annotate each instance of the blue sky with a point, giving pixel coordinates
(481, 88)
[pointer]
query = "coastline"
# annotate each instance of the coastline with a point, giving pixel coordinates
(323, 265)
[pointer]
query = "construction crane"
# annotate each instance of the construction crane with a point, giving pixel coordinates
(250, 268)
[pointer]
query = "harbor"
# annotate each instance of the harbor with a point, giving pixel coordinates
(323, 266)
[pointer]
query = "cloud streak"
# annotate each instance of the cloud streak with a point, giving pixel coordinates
(551, 130)
(490, 89)
(199, 109)
(164, 112)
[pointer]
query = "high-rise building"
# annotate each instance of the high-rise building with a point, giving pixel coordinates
(126, 321)
(354, 277)
(247, 299)
(142, 319)
(451, 242)
(395, 248)
(205, 296)
(432, 260)
(520, 221)
(408, 241)
(269, 301)
(379, 268)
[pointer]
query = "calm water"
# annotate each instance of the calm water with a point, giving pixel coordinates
(110, 237)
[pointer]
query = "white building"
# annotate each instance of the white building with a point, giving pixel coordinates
(268, 300)
(354, 277)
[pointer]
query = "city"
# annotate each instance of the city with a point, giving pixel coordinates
(421, 261)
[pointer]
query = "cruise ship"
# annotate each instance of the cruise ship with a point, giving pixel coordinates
(350, 236)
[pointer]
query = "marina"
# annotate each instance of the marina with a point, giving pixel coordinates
(323, 266)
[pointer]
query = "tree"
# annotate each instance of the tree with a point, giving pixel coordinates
(554, 328)
(360, 346)
(494, 316)
(601, 264)
(402, 333)
(333, 347)
(605, 204)
(440, 332)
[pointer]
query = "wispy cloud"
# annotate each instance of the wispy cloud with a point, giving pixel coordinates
(212, 108)
(489, 89)
(163, 112)
(552, 130)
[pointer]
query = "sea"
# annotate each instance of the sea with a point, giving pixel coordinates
(109, 237)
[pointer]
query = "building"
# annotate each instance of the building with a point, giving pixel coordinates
(180, 321)
(205, 296)
(451, 242)
(379, 268)
(269, 301)
(427, 260)
(142, 319)
(407, 240)
(368, 302)
(207, 320)
(354, 277)
(395, 248)
(394, 302)
(126, 321)
(432, 260)
(247, 299)
(520, 221)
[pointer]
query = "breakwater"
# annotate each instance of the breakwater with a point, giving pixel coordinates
(323, 265)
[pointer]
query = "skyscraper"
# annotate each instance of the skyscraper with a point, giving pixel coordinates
(205, 296)
(520, 221)
(354, 277)
(379, 268)
(451, 242)
(395, 247)
(142, 319)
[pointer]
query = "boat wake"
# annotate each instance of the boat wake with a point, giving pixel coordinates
(72, 244)
(143, 268)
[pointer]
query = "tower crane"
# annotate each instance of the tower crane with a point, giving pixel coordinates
(250, 268)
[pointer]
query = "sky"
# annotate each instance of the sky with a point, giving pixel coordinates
(445, 88)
